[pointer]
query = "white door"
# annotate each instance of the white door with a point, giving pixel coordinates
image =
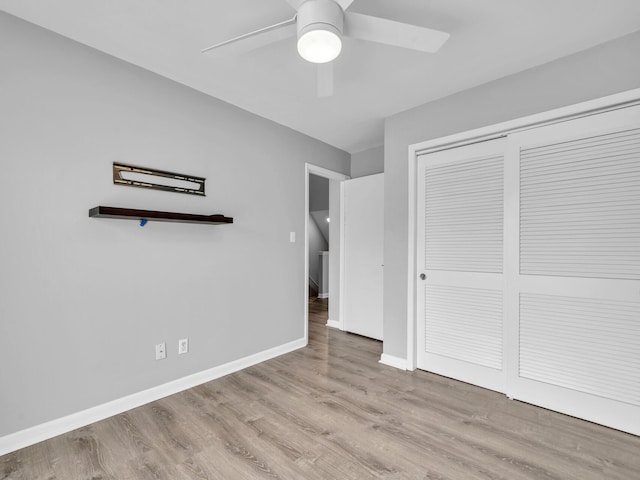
(460, 263)
(363, 241)
(575, 345)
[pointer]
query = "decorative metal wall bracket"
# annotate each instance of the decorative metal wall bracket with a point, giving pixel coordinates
(133, 176)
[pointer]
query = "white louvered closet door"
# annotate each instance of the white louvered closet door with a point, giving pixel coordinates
(575, 342)
(460, 254)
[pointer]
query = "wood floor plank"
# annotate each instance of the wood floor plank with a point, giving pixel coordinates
(331, 411)
(34, 462)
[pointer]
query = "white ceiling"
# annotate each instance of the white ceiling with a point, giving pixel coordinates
(489, 39)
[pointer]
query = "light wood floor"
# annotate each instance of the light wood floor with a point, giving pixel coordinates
(330, 411)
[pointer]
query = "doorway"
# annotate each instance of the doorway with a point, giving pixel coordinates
(318, 222)
(324, 262)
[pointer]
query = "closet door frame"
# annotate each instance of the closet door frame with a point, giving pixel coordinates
(608, 103)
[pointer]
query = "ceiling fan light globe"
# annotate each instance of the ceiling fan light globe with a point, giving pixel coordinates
(319, 45)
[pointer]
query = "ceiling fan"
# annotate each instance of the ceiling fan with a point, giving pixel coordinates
(320, 26)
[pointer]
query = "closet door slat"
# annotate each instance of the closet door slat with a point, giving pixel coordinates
(583, 344)
(464, 215)
(584, 191)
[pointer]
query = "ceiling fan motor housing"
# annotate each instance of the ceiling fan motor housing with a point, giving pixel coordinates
(320, 15)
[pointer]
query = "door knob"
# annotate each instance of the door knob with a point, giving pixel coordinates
(423, 276)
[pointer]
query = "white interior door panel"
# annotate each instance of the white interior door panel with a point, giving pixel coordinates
(460, 263)
(575, 307)
(364, 242)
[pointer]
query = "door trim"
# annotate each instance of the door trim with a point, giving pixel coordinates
(591, 107)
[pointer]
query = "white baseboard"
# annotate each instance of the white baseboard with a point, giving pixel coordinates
(38, 433)
(323, 295)
(392, 361)
(334, 324)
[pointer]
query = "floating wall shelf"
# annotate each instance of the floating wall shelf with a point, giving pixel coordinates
(135, 214)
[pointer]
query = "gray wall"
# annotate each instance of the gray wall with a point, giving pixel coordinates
(609, 68)
(318, 193)
(84, 301)
(335, 251)
(320, 217)
(317, 243)
(367, 162)
(318, 201)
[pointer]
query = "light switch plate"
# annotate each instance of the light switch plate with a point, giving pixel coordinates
(161, 351)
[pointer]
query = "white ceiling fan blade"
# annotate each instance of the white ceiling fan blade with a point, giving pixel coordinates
(344, 3)
(325, 79)
(254, 40)
(389, 32)
(296, 3)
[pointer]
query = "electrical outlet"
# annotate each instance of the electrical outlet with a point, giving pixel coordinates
(183, 346)
(161, 351)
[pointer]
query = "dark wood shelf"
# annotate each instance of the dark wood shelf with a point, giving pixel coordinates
(135, 214)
